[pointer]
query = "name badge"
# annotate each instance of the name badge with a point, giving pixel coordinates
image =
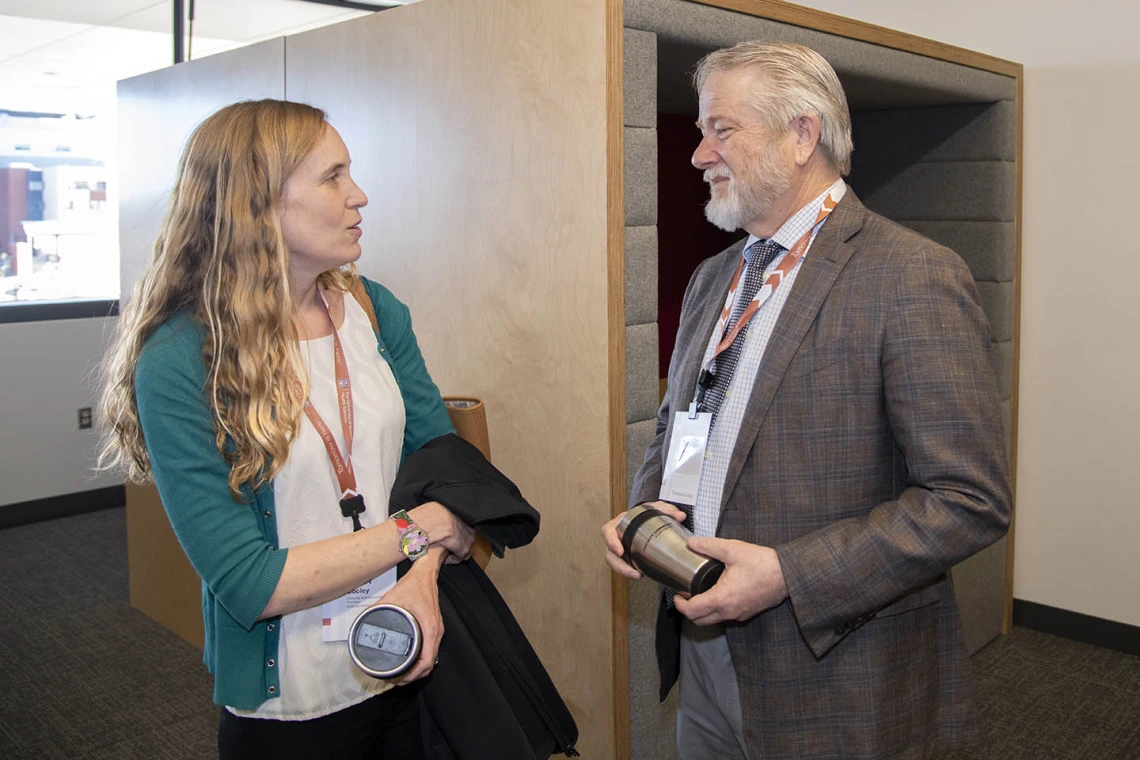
(337, 615)
(686, 457)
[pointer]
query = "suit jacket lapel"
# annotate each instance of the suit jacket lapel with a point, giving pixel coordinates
(710, 307)
(822, 264)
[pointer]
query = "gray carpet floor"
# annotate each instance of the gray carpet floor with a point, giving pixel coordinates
(83, 675)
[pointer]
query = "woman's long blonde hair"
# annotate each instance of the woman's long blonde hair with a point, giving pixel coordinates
(220, 256)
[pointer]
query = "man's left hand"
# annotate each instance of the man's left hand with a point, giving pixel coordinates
(752, 582)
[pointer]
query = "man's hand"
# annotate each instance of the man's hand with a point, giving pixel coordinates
(418, 593)
(614, 549)
(752, 582)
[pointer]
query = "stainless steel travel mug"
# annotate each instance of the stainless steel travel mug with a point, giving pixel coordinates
(657, 546)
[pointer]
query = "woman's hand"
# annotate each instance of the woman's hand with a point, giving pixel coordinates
(445, 529)
(418, 593)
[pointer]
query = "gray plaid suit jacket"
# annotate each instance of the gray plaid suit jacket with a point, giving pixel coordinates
(872, 458)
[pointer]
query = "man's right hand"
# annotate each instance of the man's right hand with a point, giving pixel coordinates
(612, 539)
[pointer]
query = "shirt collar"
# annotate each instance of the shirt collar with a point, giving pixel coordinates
(800, 222)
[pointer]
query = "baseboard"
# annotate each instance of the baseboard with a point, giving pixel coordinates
(62, 506)
(1073, 625)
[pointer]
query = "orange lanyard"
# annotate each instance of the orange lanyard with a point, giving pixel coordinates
(706, 377)
(351, 502)
(771, 282)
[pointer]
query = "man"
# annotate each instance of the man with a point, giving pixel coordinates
(853, 444)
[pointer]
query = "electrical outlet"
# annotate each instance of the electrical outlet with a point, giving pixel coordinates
(84, 418)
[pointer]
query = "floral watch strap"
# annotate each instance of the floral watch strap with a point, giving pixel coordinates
(413, 541)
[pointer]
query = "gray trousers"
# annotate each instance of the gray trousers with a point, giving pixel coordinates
(709, 724)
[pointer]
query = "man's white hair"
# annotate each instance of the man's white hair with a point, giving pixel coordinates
(797, 81)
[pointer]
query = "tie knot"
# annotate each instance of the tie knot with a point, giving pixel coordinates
(761, 253)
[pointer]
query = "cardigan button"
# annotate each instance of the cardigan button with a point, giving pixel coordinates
(270, 627)
(271, 662)
(268, 513)
(272, 689)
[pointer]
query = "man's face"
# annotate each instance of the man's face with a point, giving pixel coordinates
(747, 166)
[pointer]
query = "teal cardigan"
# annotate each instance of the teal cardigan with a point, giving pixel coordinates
(233, 546)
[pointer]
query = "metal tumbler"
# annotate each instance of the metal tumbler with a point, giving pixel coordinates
(385, 641)
(657, 546)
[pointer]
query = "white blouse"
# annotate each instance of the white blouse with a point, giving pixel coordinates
(320, 678)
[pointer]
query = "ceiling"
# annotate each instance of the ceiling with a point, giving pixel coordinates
(66, 55)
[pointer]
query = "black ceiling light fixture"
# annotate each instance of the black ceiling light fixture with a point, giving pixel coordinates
(180, 18)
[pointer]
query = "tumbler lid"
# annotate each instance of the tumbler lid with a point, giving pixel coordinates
(707, 576)
(629, 525)
(385, 641)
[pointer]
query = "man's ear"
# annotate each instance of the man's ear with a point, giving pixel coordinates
(806, 130)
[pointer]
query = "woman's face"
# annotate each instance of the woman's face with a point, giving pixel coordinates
(320, 214)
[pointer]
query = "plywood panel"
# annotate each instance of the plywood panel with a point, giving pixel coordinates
(163, 584)
(478, 132)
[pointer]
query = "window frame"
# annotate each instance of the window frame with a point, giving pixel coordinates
(12, 312)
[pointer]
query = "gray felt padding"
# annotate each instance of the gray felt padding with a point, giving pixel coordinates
(640, 275)
(1003, 367)
(641, 383)
(640, 176)
(875, 76)
(997, 300)
(965, 190)
(973, 132)
(639, 78)
(988, 248)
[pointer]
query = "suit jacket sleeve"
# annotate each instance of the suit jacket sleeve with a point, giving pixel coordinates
(221, 538)
(942, 406)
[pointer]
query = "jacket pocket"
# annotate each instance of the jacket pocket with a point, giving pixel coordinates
(820, 357)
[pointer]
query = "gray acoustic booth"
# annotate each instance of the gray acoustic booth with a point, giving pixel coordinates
(935, 149)
(510, 152)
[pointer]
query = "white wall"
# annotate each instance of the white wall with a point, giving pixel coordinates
(1078, 518)
(47, 371)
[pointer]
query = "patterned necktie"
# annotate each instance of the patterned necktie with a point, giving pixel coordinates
(760, 255)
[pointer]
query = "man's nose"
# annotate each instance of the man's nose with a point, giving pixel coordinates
(704, 156)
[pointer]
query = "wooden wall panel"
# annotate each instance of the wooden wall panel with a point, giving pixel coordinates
(478, 132)
(157, 112)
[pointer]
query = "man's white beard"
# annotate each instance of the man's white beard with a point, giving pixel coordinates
(748, 196)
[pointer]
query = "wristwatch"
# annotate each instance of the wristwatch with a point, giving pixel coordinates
(413, 541)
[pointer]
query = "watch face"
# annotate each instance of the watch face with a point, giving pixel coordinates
(414, 544)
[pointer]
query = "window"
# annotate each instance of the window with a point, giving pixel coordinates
(58, 238)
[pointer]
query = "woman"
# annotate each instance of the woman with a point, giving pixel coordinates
(248, 382)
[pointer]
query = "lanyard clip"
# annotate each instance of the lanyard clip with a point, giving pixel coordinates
(704, 382)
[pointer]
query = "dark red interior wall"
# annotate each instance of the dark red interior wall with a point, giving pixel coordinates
(684, 236)
(13, 209)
